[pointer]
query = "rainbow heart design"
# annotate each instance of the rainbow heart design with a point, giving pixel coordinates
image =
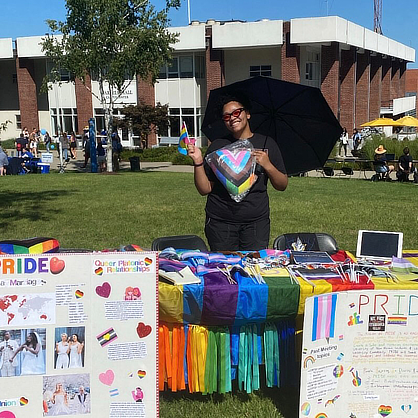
(234, 166)
(384, 410)
(142, 374)
(305, 409)
(79, 294)
(104, 290)
(147, 261)
(56, 266)
(23, 401)
(99, 271)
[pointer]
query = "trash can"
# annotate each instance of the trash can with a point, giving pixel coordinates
(135, 166)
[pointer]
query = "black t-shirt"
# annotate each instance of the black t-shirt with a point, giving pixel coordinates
(255, 205)
(404, 161)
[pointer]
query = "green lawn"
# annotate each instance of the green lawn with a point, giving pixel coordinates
(107, 211)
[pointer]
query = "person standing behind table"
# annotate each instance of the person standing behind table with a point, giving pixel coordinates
(7, 349)
(343, 142)
(4, 162)
(245, 225)
(33, 143)
(20, 143)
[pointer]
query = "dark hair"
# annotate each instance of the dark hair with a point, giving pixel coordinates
(78, 340)
(406, 150)
(237, 96)
(34, 340)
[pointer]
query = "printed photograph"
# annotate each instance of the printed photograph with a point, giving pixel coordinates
(22, 352)
(69, 347)
(66, 395)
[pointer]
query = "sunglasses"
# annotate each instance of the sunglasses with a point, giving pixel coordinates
(227, 116)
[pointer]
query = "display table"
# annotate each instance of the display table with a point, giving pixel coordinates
(216, 329)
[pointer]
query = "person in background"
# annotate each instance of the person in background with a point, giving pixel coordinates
(25, 133)
(73, 145)
(381, 166)
(47, 141)
(20, 143)
(343, 142)
(116, 149)
(33, 143)
(356, 139)
(65, 144)
(101, 156)
(86, 146)
(4, 162)
(405, 166)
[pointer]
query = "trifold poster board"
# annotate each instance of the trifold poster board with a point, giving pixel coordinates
(78, 335)
(360, 355)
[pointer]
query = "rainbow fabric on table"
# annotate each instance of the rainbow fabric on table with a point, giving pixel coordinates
(30, 246)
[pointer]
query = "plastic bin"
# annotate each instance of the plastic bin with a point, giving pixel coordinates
(44, 168)
(135, 165)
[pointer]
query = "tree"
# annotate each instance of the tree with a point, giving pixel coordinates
(145, 119)
(112, 41)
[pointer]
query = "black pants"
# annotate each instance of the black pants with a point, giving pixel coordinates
(224, 236)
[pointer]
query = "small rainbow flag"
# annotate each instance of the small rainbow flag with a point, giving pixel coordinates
(184, 140)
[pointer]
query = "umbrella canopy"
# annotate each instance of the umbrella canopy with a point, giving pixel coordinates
(382, 122)
(408, 121)
(297, 117)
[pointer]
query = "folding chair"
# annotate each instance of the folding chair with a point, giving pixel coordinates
(186, 242)
(313, 242)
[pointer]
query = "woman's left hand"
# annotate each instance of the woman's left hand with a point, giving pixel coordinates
(261, 157)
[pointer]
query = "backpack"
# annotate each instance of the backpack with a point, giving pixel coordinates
(19, 146)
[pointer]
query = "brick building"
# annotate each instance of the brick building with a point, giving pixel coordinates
(362, 74)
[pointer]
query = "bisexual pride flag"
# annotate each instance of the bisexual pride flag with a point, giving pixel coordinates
(184, 140)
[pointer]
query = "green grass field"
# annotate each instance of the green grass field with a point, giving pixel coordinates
(108, 211)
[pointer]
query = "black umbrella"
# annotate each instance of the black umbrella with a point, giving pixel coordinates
(296, 116)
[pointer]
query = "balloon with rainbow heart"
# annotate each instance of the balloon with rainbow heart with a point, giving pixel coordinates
(234, 166)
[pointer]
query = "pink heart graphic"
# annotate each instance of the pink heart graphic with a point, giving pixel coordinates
(56, 266)
(107, 377)
(104, 290)
(7, 414)
(235, 158)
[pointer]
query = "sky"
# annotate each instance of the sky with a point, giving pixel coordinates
(399, 17)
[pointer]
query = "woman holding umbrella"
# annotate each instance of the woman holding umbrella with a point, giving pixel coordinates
(245, 225)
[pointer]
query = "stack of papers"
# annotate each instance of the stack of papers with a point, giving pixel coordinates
(183, 276)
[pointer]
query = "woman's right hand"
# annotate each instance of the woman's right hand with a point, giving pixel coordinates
(194, 153)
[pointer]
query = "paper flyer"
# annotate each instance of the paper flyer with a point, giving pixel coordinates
(360, 355)
(78, 335)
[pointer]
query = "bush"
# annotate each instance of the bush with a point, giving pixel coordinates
(392, 145)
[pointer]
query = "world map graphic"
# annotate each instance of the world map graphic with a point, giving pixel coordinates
(30, 309)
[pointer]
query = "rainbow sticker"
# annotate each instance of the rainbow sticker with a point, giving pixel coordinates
(99, 271)
(308, 359)
(142, 374)
(321, 415)
(305, 409)
(23, 401)
(79, 294)
(338, 371)
(148, 261)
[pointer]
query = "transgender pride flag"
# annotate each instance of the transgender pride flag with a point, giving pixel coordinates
(323, 324)
(184, 140)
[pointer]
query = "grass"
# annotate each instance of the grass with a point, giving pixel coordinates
(107, 211)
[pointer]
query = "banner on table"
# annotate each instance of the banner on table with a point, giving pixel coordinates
(78, 335)
(360, 354)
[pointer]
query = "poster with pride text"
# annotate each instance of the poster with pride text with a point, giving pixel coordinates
(78, 335)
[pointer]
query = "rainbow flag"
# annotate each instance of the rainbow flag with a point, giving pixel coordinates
(184, 140)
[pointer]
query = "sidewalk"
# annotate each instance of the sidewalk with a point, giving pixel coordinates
(76, 165)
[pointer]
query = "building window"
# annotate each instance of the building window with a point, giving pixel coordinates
(63, 120)
(18, 122)
(14, 78)
(182, 67)
(256, 70)
(178, 116)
